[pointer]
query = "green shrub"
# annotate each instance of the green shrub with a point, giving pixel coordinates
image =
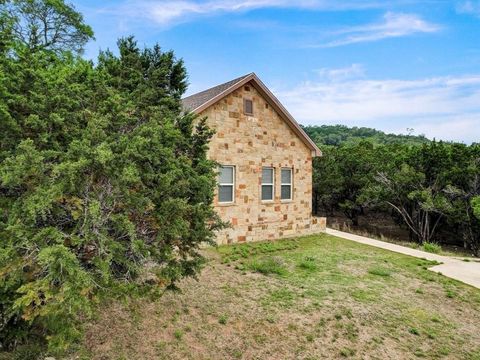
(431, 248)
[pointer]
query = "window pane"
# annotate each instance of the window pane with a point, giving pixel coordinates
(286, 176)
(267, 176)
(225, 193)
(248, 106)
(226, 175)
(286, 192)
(267, 192)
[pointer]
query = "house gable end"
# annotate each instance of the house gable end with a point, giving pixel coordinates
(200, 102)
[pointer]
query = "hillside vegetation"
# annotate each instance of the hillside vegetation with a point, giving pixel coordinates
(342, 135)
(430, 189)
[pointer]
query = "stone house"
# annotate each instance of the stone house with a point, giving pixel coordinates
(265, 162)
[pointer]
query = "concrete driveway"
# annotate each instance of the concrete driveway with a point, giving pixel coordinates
(466, 272)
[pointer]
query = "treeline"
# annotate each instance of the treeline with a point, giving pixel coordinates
(429, 188)
(101, 174)
(337, 135)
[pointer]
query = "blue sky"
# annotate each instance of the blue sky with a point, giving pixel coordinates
(390, 65)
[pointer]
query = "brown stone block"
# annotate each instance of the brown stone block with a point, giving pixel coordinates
(241, 238)
(234, 221)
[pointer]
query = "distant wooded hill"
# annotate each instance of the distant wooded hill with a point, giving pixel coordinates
(340, 135)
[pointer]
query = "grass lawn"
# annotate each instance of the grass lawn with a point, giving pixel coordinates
(309, 298)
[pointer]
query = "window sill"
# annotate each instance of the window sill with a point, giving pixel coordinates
(286, 201)
(225, 204)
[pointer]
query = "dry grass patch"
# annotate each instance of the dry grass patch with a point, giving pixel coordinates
(331, 298)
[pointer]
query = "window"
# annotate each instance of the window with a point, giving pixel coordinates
(286, 184)
(247, 107)
(226, 184)
(268, 180)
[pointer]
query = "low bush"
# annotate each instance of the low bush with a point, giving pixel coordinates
(432, 248)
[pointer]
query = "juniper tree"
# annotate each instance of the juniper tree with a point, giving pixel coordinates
(100, 174)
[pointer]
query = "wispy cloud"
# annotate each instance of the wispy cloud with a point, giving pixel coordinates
(392, 25)
(469, 7)
(168, 12)
(442, 107)
(347, 73)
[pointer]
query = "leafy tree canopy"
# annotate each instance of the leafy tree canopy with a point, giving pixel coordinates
(44, 25)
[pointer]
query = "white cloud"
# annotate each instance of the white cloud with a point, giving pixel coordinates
(442, 107)
(350, 72)
(469, 7)
(392, 25)
(167, 12)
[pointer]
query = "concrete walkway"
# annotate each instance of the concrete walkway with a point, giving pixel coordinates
(466, 272)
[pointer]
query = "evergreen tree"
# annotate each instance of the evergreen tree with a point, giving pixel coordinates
(102, 178)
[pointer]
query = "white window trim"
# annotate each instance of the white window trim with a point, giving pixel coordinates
(272, 184)
(228, 184)
(290, 184)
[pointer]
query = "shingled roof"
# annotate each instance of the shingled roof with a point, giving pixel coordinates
(194, 101)
(200, 101)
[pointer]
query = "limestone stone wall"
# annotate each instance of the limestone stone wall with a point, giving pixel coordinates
(250, 143)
